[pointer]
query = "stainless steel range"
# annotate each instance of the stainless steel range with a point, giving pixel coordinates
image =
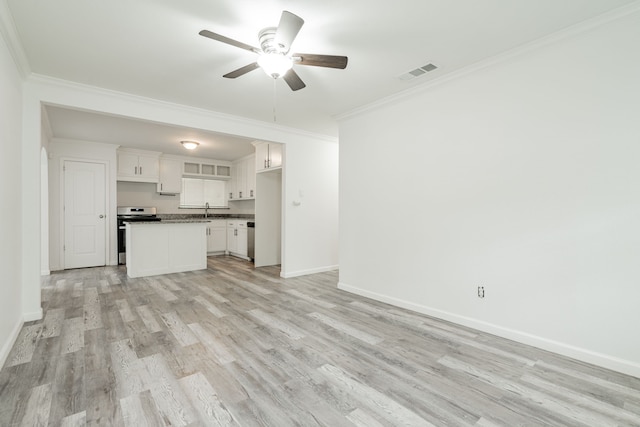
(131, 214)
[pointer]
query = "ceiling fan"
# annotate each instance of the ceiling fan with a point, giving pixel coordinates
(274, 57)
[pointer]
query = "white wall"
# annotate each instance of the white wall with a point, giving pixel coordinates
(310, 237)
(61, 150)
(522, 177)
(10, 212)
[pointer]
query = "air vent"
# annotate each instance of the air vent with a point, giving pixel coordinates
(420, 71)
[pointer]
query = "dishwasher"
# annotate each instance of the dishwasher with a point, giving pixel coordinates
(251, 239)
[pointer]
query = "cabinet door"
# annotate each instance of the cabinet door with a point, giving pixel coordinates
(192, 192)
(251, 177)
(262, 155)
(241, 245)
(127, 165)
(170, 176)
(216, 238)
(208, 170)
(231, 187)
(148, 167)
(241, 179)
(232, 240)
(275, 156)
(215, 193)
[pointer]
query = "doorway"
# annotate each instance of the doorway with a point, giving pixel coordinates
(84, 214)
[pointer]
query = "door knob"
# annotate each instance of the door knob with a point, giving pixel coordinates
(101, 216)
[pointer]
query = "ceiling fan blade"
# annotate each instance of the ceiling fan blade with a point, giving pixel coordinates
(293, 80)
(288, 29)
(242, 71)
(227, 40)
(329, 61)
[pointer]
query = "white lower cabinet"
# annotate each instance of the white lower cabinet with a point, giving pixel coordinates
(217, 236)
(237, 238)
(163, 248)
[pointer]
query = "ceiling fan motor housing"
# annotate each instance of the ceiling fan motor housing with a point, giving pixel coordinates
(267, 41)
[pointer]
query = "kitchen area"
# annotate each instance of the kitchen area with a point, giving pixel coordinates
(172, 216)
(155, 213)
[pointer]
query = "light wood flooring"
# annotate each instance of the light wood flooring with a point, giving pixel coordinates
(234, 345)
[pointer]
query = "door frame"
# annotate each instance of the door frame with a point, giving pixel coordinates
(107, 233)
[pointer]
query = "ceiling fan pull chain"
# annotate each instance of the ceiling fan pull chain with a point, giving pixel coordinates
(274, 100)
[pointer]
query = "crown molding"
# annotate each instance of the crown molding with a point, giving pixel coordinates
(550, 39)
(9, 33)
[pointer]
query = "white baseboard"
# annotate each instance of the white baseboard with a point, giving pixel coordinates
(289, 274)
(11, 340)
(45, 272)
(603, 360)
(29, 317)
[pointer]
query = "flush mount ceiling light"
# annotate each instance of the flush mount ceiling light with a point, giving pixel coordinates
(189, 145)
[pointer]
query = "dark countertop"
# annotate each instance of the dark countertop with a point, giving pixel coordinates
(200, 217)
(171, 221)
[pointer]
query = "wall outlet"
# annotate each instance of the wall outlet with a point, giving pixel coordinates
(480, 291)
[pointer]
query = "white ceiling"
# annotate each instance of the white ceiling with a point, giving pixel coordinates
(87, 126)
(152, 48)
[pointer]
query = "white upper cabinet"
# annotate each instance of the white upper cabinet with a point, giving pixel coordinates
(170, 176)
(221, 170)
(268, 156)
(243, 179)
(251, 177)
(138, 165)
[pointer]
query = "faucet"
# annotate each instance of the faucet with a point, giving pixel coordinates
(206, 210)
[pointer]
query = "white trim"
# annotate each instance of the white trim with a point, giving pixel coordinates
(556, 37)
(9, 32)
(8, 345)
(287, 275)
(32, 316)
(606, 361)
(45, 272)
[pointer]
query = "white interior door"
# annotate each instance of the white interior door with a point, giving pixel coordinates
(84, 214)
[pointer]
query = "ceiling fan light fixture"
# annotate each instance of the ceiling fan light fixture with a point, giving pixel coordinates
(189, 145)
(275, 64)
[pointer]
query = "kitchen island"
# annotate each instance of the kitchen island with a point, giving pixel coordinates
(165, 247)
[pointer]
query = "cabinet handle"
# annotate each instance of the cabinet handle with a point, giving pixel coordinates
(136, 170)
(240, 194)
(161, 186)
(251, 193)
(230, 195)
(140, 170)
(235, 232)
